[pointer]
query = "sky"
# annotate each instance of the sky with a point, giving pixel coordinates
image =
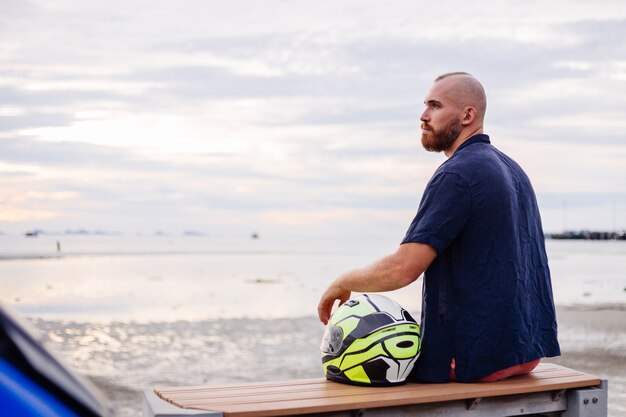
(296, 117)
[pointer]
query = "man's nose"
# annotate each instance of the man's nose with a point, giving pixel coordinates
(425, 117)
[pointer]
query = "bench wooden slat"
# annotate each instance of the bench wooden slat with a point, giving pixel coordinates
(305, 386)
(319, 395)
(310, 389)
(435, 393)
(296, 395)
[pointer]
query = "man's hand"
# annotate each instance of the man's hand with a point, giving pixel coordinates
(334, 292)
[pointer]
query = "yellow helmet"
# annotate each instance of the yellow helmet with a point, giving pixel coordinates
(370, 340)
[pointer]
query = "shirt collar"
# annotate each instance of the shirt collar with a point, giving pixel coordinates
(479, 138)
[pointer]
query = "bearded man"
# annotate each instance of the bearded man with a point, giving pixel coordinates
(487, 306)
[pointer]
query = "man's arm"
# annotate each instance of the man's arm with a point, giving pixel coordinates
(390, 273)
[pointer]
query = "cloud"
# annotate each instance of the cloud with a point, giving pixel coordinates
(62, 154)
(33, 119)
(243, 112)
(63, 98)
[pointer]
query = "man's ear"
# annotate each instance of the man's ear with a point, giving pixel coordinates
(469, 116)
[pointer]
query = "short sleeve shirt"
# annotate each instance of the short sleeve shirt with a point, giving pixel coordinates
(487, 297)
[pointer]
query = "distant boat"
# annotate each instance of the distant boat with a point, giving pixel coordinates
(254, 235)
(32, 234)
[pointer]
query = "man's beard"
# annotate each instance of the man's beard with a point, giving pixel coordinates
(441, 140)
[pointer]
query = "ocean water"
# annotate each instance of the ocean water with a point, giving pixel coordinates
(134, 312)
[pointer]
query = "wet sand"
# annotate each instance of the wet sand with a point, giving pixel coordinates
(593, 340)
(124, 358)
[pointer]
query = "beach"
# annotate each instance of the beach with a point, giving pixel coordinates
(181, 181)
(593, 340)
(121, 359)
(131, 314)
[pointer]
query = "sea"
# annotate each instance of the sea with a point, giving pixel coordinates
(132, 312)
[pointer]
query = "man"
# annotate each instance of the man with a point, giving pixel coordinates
(487, 306)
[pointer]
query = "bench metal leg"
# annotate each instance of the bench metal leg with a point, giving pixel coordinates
(514, 405)
(588, 402)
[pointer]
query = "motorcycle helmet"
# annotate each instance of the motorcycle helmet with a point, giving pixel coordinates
(370, 340)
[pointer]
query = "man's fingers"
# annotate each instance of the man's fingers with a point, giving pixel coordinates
(324, 316)
(345, 297)
(325, 306)
(323, 311)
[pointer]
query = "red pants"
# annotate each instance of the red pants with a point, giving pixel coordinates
(522, 369)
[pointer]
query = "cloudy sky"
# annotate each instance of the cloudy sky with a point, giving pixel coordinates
(296, 117)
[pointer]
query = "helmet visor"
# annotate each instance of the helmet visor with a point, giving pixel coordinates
(332, 339)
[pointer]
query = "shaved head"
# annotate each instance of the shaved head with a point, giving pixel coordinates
(466, 91)
(455, 111)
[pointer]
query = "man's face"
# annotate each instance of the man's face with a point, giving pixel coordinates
(441, 120)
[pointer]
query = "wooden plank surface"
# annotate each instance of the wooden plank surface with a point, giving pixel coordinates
(319, 395)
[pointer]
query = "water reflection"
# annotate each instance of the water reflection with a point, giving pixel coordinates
(124, 358)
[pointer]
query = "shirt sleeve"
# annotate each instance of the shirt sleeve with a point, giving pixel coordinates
(444, 210)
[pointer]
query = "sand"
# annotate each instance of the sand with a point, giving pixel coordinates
(593, 340)
(124, 358)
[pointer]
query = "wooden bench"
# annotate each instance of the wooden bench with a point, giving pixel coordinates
(550, 388)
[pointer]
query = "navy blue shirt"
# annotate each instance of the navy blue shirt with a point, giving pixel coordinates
(487, 297)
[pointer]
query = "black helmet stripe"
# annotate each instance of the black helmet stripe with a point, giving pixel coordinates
(369, 300)
(369, 324)
(327, 358)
